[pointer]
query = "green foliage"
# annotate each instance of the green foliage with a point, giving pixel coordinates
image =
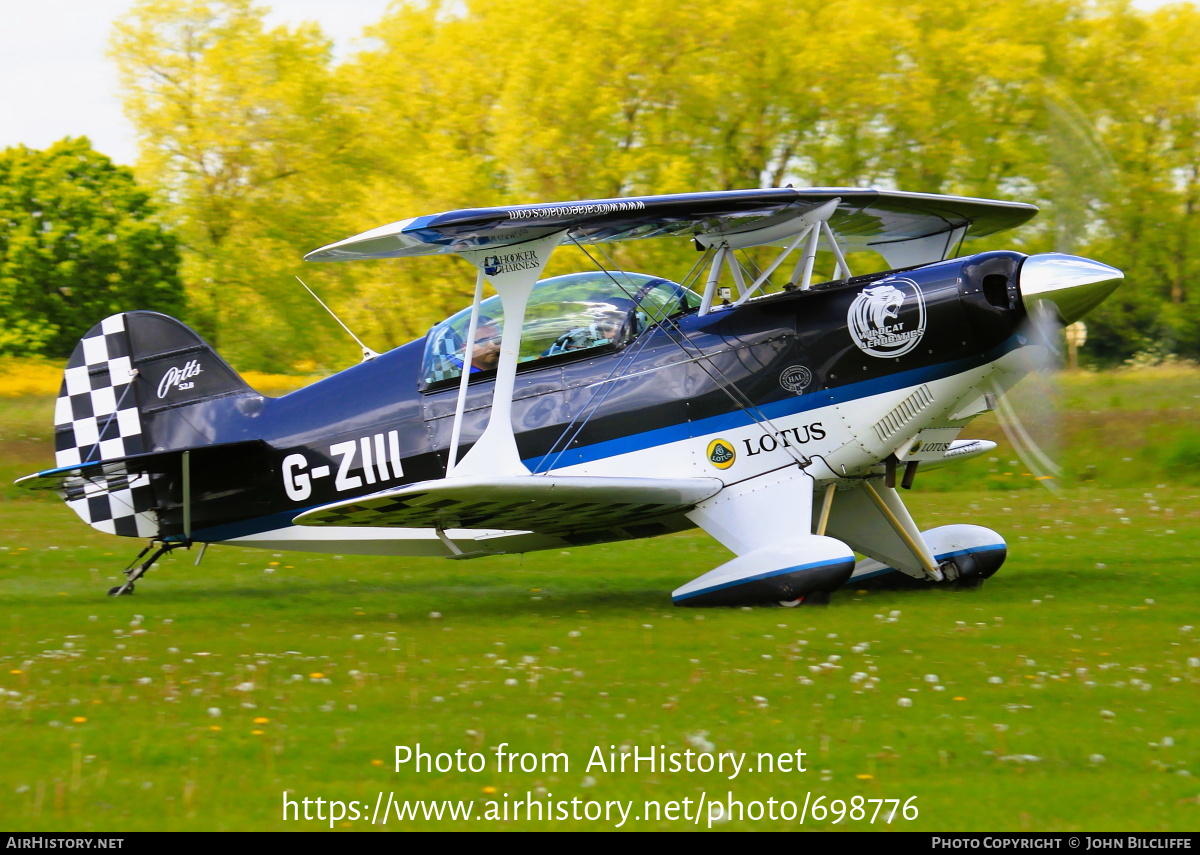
(78, 242)
(267, 148)
(247, 134)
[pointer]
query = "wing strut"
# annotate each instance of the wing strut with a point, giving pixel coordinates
(513, 271)
(465, 378)
(795, 229)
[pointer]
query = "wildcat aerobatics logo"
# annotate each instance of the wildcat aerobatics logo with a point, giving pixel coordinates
(888, 319)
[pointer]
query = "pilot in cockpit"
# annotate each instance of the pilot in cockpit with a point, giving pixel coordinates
(610, 317)
(485, 355)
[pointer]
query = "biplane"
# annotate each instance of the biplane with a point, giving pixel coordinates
(780, 414)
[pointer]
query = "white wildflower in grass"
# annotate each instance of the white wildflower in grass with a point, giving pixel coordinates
(214, 712)
(699, 740)
(1107, 714)
(1096, 759)
(435, 615)
(760, 702)
(573, 634)
(995, 680)
(588, 781)
(437, 699)
(1020, 758)
(904, 702)
(931, 678)
(1193, 662)
(244, 687)
(1167, 741)
(1149, 602)
(511, 681)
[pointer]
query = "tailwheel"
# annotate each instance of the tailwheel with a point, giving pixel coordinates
(137, 568)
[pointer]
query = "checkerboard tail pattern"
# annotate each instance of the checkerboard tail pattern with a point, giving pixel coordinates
(96, 418)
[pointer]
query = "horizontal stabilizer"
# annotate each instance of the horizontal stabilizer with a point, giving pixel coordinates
(116, 472)
(126, 495)
(537, 503)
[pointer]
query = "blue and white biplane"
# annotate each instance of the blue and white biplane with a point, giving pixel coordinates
(773, 411)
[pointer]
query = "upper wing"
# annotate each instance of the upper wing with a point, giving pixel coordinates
(865, 217)
(538, 503)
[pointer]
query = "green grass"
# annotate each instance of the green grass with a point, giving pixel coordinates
(1080, 646)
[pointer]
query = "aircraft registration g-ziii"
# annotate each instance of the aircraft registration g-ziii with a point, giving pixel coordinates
(772, 411)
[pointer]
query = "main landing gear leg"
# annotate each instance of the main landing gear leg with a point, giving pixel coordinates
(137, 568)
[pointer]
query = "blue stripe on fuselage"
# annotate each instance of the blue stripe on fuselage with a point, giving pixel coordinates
(774, 410)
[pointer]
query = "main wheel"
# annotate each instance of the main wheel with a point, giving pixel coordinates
(812, 598)
(112, 592)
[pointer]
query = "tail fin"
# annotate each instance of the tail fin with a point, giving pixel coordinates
(126, 371)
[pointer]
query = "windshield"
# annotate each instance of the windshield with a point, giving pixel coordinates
(579, 311)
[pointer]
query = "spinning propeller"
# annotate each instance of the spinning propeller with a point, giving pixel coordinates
(1057, 290)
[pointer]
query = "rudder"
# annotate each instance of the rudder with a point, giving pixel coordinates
(128, 367)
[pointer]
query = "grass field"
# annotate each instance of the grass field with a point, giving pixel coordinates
(1063, 695)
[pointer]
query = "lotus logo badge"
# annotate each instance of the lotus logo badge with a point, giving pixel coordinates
(888, 319)
(721, 454)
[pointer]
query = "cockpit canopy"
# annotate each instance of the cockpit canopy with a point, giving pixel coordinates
(566, 314)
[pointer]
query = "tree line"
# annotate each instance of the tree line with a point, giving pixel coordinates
(258, 144)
